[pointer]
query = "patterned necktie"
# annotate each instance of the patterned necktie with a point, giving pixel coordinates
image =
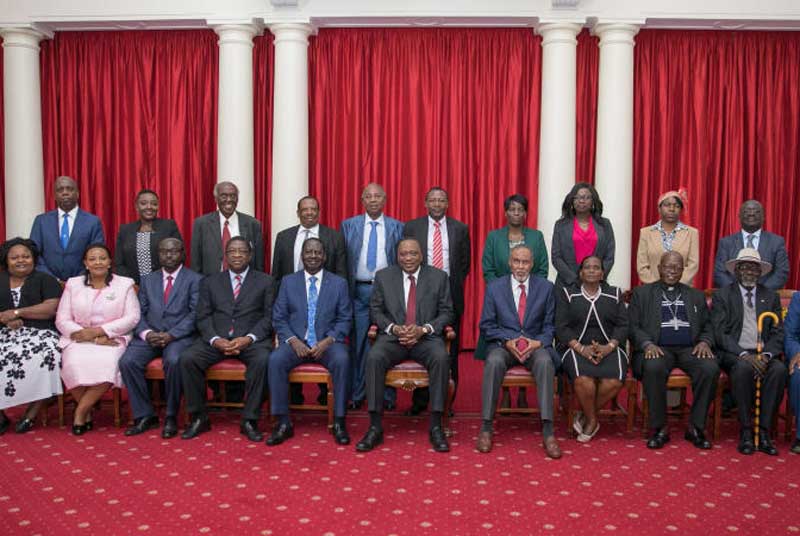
(523, 301)
(65, 232)
(751, 241)
(298, 263)
(237, 288)
(749, 295)
(411, 304)
(311, 339)
(167, 289)
(226, 236)
(372, 247)
(438, 257)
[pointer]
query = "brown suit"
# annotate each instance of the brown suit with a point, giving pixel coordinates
(650, 250)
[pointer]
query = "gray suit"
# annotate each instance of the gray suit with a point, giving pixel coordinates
(207, 242)
(772, 249)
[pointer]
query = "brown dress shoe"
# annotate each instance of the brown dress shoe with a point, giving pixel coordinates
(484, 442)
(551, 448)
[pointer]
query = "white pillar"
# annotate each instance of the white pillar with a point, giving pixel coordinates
(290, 123)
(24, 167)
(235, 110)
(614, 159)
(557, 134)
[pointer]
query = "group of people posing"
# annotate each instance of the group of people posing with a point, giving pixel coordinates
(70, 314)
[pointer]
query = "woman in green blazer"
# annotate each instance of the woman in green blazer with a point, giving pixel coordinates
(495, 262)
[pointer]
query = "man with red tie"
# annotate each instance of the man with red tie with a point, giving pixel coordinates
(517, 323)
(411, 306)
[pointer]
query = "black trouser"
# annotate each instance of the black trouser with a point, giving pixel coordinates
(420, 397)
(654, 373)
(743, 386)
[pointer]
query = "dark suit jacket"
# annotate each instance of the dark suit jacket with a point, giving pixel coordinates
(251, 313)
(54, 260)
(207, 242)
(645, 315)
(772, 249)
(387, 304)
(334, 310)
(563, 249)
(460, 253)
(727, 311)
(177, 317)
(353, 233)
(125, 259)
(332, 240)
(500, 320)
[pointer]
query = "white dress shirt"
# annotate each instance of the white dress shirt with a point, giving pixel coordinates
(233, 224)
(71, 215)
(516, 290)
(362, 272)
(406, 290)
(303, 234)
(445, 243)
(756, 238)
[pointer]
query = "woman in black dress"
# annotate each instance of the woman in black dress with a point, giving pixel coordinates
(591, 328)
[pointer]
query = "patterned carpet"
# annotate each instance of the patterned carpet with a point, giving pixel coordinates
(54, 483)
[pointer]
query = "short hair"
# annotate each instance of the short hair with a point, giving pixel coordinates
(178, 240)
(18, 241)
(239, 238)
(516, 198)
(226, 183)
(307, 197)
(313, 239)
(436, 189)
(144, 191)
(580, 266)
(409, 239)
(568, 209)
(98, 245)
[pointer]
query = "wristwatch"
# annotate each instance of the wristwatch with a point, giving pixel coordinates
(16, 313)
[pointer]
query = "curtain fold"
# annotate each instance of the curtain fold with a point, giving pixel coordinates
(414, 108)
(718, 113)
(587, 62)
(128, 110)
(263, 68)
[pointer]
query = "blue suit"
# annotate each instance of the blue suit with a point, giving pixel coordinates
(353, 232)
(290, 319)
(177, 318)
(53, 259)
(791, 331)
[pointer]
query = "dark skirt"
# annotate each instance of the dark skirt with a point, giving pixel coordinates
(613, 366)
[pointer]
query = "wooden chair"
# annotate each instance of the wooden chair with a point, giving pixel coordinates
(116, 397)
(314, 373)
(409, 375)
(519, 376)
(613, 410)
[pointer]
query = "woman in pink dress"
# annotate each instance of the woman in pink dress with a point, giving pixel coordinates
(95, 317)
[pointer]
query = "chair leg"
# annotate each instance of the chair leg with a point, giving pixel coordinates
(117, 396)
(61, 411)
(631, 388)
(330, 403)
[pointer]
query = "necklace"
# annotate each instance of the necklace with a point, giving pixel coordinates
(590, 297)
(672, 305)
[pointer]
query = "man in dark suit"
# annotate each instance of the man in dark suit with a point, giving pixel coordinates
(287, 259)
(371, 241)
(62, 235)
(734, 312)
(212, 231)
(517, 324)
(312, 317)
(670, 327)
(168, 300)
(771, 248)
(411, 306)
(445, 245)
(234, 317)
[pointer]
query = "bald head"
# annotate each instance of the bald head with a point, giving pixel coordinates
(373, 198)
(751, 216)
(670, 268)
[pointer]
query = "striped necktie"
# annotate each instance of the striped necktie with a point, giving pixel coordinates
(438, 256)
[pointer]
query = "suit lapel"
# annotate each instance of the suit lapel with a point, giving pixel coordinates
(216, 232)
(423, 239)
(359, 238)
(178, 282)
(508, 295)
(76, 228)
(680, 239)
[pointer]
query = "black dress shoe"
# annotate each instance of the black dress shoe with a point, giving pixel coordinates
(795, 448)
(79, 429)
(23, 426)
(340, 434)
(196, 427)
(765, 444)
(438, 439)
(371, 439)
(658, 439)
(141, 425)
(746, 445)
(280, 433)
(250, 429)
(355, 404)
(170, 429)
(696, 437)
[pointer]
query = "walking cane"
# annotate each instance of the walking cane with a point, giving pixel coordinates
(759, 348)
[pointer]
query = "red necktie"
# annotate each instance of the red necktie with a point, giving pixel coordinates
(438, 257)
(226, 236)
(411, 304)
(238, 287)
(167, 289)
(523, 301)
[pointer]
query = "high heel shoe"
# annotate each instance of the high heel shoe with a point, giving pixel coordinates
(80, 429)
(23, 426)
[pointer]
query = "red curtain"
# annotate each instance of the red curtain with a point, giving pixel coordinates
(587, 62)
(263, 67)
(718, 113)
(2, 152)
(123, 111)
(413, 108)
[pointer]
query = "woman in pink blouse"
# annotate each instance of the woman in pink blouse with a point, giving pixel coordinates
(95, 317)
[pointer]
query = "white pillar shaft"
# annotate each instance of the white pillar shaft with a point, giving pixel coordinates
(290, 123)
(24, 168)
(235, 111)
(557, 134)
(614, 159)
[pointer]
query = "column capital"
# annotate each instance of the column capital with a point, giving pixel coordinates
(23, 36)
(241, 34)
(296, 32)
(616, 32)
(559, 31)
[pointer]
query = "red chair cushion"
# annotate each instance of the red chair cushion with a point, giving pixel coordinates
(517, 371)
(155, 364)
(677, 372)
(309, 367)
(409, 366)
(229, 364)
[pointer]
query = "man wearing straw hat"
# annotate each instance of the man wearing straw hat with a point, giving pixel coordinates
(734, 313)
